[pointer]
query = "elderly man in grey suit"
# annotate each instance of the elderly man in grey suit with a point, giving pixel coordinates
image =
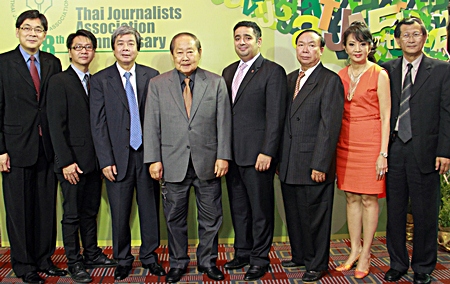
(308, 160)
(187, 134)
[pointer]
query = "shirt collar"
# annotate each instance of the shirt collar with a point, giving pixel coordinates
(310, 70)
(182, 76)
(123, 71)
(27, 56)
(415, 63)
(250, 62)
(79, 72)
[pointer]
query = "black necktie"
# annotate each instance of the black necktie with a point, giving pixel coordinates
(404, 120)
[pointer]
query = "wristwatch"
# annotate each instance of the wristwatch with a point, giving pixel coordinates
(384, 154)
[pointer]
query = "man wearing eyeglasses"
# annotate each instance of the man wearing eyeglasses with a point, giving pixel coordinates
(75, 164)
(26, 154)
(418, 152)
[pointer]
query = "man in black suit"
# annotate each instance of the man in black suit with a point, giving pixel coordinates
(419, 150)
(26, 154)
(308, 159)
(75, 164)
(117, 102)
(257, 89)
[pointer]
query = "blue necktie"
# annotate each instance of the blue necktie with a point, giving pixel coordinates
(135, 123)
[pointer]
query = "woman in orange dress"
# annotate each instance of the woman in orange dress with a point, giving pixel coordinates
(363, 143)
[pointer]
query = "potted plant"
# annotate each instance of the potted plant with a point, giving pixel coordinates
(444, 214)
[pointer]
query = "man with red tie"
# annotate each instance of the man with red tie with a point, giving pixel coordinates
(26, 154)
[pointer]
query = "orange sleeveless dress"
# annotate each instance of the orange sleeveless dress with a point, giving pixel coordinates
(360, 138)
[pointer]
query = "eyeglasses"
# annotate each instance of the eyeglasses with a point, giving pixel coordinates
(28, 29)
(80, 47)
(415, 35)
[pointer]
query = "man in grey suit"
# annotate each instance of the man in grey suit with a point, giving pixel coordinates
(419, 150)
(117, 103)
(308, 159)
(187, 134)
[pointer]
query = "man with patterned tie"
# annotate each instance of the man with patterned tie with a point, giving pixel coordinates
(308, 159)
(75, 164)
(117, 100)
(26, 153)
(188, 143)
(419, 150)
(257, 89)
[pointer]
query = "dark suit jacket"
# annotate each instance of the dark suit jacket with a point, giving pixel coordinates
(20, 112)
(258, 110)
(430, 109)
(110, 117)
(312, 127)
(69, 122)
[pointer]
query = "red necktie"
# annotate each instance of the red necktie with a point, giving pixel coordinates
(35, 76)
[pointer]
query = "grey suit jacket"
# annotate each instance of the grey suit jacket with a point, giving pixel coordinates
(313, 123)
(171, 138)
(110, 115)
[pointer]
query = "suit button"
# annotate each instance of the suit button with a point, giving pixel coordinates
(128, 129)
(39, 109)
(290, 136)
(189, 147)
(298, 118)
(189, 128)
(126, 147)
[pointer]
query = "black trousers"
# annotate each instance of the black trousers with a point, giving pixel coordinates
(120, 195)
(208, 194)
(30, 200)
(404, 182)
(251, 196)
(81, 204)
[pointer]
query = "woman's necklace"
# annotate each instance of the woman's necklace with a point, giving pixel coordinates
(354, 80)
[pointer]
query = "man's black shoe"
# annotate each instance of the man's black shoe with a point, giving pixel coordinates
(78, 273)
(236, 263)
(54, 271)
(155, 269)
(122, 272)
(213, 272)
(290, 263)
(255, 272)
(32, 277)
(422, 278)
(393, 275)
(175, 275)
(312, 276)
(100, 261)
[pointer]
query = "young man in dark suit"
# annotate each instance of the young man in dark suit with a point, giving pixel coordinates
(76, 165)
(419, 150)
(26, 154)
(308, 159)
(117, 102)
(257, 90)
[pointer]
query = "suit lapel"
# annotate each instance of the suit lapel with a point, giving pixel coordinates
(140, 84)
(175, 90)
(248, 77)
(21, 67)
(199, 91)
(422, 75)
(78, 85)
(306, 89)
(115, 82)
(396, 78)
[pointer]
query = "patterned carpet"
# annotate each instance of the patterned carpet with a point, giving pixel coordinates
(277, 274)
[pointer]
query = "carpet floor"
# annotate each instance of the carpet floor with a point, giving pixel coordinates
(277, 274)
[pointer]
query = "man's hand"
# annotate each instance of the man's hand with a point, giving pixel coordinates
(4, 163)
(110, 172)
(263, 163)
(156, 170)
(71, 173)
(318, 176)
(442, 164)
(221, 167)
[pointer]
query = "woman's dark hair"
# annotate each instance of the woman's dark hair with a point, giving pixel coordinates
(362, 34)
